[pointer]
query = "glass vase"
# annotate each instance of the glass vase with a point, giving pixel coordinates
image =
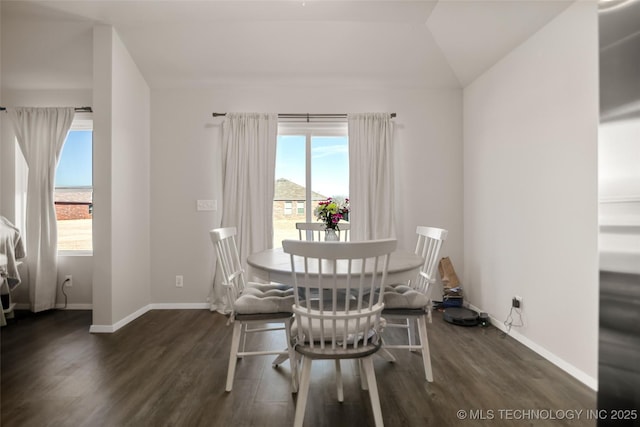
(330, 235)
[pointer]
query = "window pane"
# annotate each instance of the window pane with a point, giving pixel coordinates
(289, 188)
(330, 167)
(328, 176)
(75, 165)
(73, 193)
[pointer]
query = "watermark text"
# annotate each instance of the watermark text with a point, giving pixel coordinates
(547, 414)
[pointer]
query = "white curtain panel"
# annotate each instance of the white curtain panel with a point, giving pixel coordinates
(248, 172)
(41, 132)
(371, 191)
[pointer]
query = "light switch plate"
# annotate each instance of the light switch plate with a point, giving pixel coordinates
(207, 205)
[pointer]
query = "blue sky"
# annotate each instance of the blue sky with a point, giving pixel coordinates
(75, 164)
(329, 163)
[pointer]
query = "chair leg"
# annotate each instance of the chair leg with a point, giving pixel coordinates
(303, 392)
(412, 332)
(367, 363)
(292, 356)
(233, 355)
(244, 337)
(386, 355)
(281, 358)
(424, 341)
(339, 381)
(363, 376)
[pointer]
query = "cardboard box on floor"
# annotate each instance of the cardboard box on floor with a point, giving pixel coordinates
(452, 292)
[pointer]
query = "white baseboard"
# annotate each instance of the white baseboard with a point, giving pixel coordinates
(101, 329)
(559, 362)
(108, 329)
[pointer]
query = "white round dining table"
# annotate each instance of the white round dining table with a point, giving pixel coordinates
(274, 265)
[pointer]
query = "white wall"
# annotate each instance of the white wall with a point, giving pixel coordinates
(130, 178)
(102, 170)
(80, 295)
(121, 285)
(185, 163)
(530, 190)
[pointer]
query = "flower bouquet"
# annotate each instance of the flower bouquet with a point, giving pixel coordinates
(330, 212)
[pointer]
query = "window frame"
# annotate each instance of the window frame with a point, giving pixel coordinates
(81, 122)
(309, 131)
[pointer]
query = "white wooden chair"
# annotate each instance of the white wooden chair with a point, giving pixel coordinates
(251, 304)
(411, 303)
(314, 231)
(6, 308)
(338, 302)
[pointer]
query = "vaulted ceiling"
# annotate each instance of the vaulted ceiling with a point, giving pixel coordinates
(186, 43)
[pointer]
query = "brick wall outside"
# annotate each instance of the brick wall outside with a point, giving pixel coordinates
(64, 212)
(72, 203)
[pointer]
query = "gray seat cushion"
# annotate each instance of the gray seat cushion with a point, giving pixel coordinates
(255, 301)
(268, 292)
(267, 286)
(403, 296)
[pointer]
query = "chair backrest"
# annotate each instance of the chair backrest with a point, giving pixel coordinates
(224, 241)
(428, 247)
(338, 292)
(314, 231)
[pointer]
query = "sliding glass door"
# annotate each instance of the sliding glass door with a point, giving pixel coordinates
(312, 164)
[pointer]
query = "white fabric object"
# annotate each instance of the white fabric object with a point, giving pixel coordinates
(371, 176)
(276, 288)
(353, 332)
(403, 296)
(41, 132)
(12, 249)
(248, 179)
(263, 303)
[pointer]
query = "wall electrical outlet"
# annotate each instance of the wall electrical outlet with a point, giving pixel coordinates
(179, 281)
(68, 281)
(516, 302)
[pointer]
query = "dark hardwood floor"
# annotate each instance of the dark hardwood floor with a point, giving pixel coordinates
(168, 368)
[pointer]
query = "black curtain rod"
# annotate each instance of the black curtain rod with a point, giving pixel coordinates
(78, 109)
(305, 116)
